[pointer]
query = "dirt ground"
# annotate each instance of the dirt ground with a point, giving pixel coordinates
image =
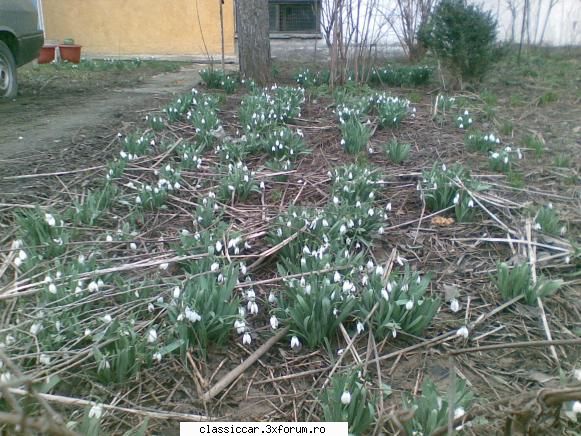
(61, 120)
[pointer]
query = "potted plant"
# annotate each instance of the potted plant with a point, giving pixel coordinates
(47, 53)
(70, 51)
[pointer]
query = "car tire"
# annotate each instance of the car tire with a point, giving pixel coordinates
(8, 81)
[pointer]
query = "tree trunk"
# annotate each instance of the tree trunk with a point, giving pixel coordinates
(253, 40)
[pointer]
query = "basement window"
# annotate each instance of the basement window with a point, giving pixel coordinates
(299, 16)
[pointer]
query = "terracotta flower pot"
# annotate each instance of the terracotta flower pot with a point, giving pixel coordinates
(47, 53)
(70, 53)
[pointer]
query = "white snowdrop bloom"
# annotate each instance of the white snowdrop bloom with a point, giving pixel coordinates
(150, 307)
(454, 305)
(345, 398)
(381, 230)
(271, 298)
(163, 266)
(106, 318)
(109, 238)
(44, 359)
(5, 377)
(471, 203)
(87, 332)
(22, 255)
(262, 186)
(252, 307)
(133, 246)
(273, 322)
(176, 292)
(409, 305)
(519, 154)
(379, 270)
(348, 286)
(240, 326)
(364, 280)
(295, 343)
(370, 265)
(157, 356)
(576, 408)
(577, 374)
(303, 262)
(388, 206)
(466, 112)
(385, 295)
(151, 336)
(336, 277)
(343, 229)
(246, 339)
(177, 185)
(360, 327)
(52, 288)
(325, 223)
(214, 267)
(371, 212)
(96, 412)
(16, 244)
(469, 120)
(563, 230)
(461, 126)
(537, 226)
(17, 262)
(93, 286)
(192, 315)
(308, 289)
(462, 331)
(49, 219)
(400, 260)
(138, 200)
(459, 412)
(335, 200)
(505, 159)
(456, 198)
(218, 246)
(443, 168)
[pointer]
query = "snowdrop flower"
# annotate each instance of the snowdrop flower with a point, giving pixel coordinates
(576, 409)
(151, 336)
(44, 359)
(343, 229)
(150, 307)
(109, 238)
(461, 126)
(157, 356)
(271, 298)
(49, 219)
(164, 266)
(17, 262)
(371, 212)
(192, 315)
(214, 267)
(454, 305)
(379, 270)
(462, 331)
(346, 398)
(273, 322)
(22, 256)
(308, 289)
(457, 198)
(459, 412)
(360, 327)
(537, 226)
(295, 343)
(335, 200)
(443, 167)
(138, 200)
(133, 246)
(240, 326)
(409, 305)
(52, 288)
(400, 260)
(253, 307)
(96, 411)
(87, 332)
(262, 186)
(577, 374)
(246, 339)
(218, 246)
(336, 277)
(388, 206)
(176, 292)
(563, 230)
(385, 295)
(106, 319)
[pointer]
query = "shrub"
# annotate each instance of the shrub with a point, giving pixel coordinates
(463, 37)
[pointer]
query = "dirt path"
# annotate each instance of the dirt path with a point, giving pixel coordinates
(31, 128)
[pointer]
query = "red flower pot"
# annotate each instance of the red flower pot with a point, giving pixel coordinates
(70, 53)
(47, 53)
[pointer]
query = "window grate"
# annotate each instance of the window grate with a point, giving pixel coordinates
(285, 17)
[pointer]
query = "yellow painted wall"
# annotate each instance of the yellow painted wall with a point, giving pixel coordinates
(141, 27)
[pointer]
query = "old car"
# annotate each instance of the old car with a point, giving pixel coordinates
(20, 41)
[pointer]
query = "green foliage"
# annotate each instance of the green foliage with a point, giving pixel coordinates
(276, 105)
(391, 111)
(355, 134)
(502, 160)
(42, 232)
(412, 75)
(535, 143)
(512, 282)
(397, 151)
(217, 79)
(156, 122)
(310, 79)
(135, 145)
(237, 184)
(179, 107)
(463, 37)
(442, 189)
(348, 399)
(208, 211)
(92, 206)
(401, 303)
(431, 408)
(284, 144)
(477, 141)
(547, 221)
(464, 120)
(204, 311)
